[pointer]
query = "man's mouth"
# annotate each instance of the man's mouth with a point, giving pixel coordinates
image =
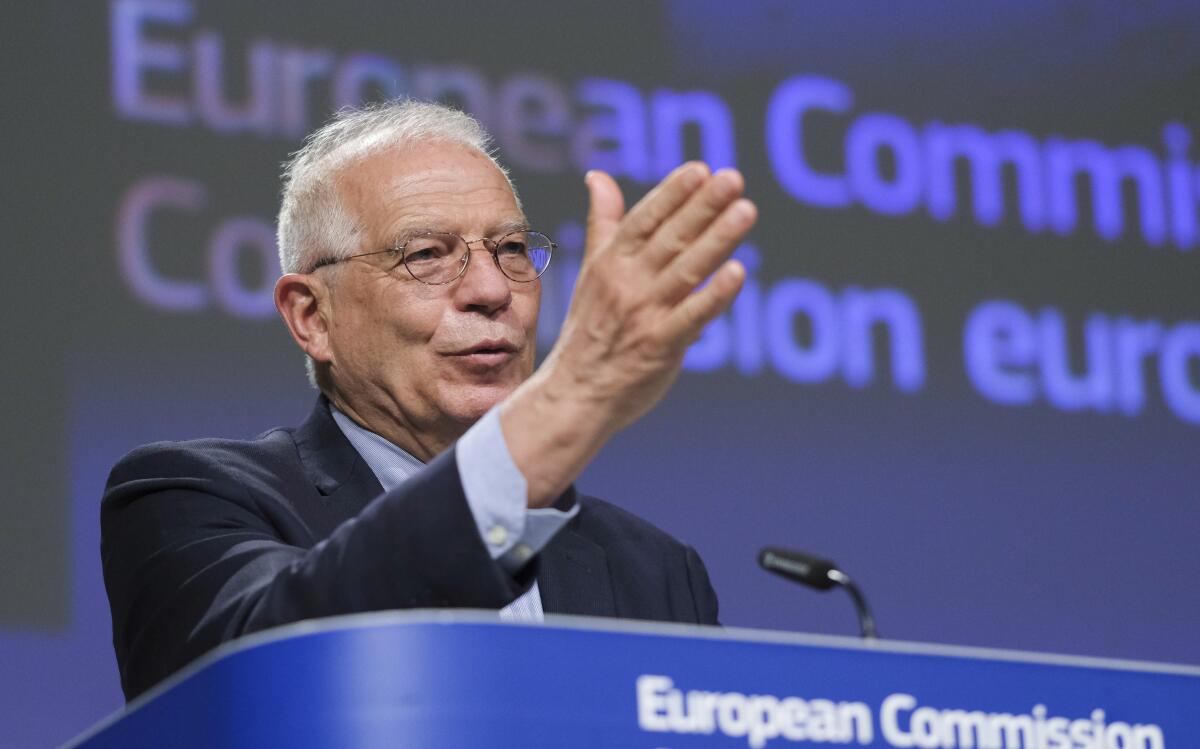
(486, 354)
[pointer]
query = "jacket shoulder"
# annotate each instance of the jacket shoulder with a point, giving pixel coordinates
(206, 461)
(604, 519)
(669, 575)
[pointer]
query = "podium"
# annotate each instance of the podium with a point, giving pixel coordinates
(466, 679)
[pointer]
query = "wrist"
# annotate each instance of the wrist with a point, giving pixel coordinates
(552, 433)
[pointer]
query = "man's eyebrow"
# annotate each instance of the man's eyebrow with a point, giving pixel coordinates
(510, 226)
(406, 233)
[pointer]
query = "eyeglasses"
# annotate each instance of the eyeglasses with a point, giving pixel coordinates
(440, 257)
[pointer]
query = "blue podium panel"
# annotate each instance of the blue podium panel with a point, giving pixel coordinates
(440, 679)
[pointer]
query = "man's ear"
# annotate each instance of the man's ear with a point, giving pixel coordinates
(303, 303)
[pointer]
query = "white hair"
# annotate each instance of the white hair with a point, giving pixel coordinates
(313, 224)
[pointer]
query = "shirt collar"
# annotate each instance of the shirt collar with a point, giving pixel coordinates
(392, 465)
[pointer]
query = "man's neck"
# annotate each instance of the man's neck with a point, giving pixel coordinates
(424, 443)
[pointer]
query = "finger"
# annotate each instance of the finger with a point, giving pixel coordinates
(701, 209)
(658, 204)
(690, 267)
(606, 208)
(687, 320)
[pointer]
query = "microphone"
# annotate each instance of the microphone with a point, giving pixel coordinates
(818, 573)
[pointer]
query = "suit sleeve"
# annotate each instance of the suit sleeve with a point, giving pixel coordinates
(193, 559)
(702, 589)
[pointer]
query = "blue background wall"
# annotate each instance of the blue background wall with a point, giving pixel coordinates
(978, 390)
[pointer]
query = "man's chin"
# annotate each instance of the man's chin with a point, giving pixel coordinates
(469, 390)
(471, 401)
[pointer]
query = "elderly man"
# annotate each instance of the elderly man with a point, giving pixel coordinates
(436, 469)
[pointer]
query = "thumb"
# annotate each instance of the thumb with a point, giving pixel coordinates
(606, 208)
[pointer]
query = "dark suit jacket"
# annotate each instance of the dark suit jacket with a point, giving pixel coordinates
(209, 540)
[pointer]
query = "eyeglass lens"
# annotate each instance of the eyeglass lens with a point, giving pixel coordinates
(441, 257)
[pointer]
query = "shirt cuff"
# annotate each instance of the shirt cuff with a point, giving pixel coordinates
(497, 494)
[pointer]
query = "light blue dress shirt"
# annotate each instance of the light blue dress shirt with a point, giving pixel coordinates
(495, 489)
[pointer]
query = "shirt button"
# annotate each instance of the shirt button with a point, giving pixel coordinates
(522, 552)
(497, 535)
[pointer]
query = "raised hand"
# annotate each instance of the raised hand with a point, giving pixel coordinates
(638, 304)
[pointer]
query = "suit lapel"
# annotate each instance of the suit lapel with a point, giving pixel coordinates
(335, 468)
(572, 572)
(573, 576)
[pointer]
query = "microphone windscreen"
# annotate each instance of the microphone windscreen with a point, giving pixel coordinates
(798, 566)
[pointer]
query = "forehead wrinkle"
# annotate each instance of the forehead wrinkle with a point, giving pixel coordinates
(408, 227)
(435, 197)
(443, 203)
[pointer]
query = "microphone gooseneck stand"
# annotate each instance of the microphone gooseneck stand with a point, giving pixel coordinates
(821, 574)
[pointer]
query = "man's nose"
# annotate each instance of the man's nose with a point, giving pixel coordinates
(483, 286)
